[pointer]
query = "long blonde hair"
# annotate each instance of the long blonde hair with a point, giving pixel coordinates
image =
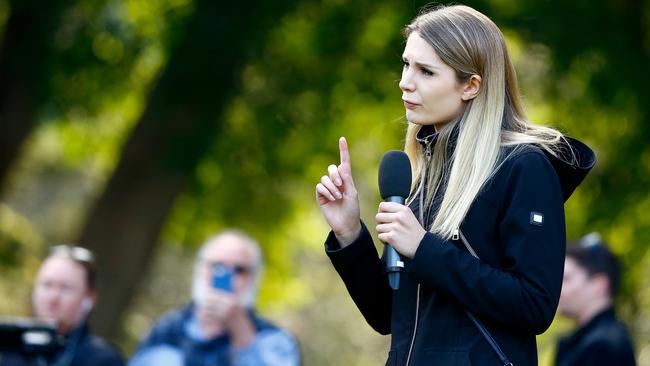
(471, 44)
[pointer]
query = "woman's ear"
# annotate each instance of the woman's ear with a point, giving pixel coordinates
(472, 88)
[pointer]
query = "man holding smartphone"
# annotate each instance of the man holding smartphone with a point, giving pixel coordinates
(220, 326)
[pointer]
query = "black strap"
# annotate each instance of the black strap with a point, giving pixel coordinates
(477, 323)
(490, 340)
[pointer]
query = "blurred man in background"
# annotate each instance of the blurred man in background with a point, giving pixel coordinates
(65, 293)
(591, 281)
(220, 327)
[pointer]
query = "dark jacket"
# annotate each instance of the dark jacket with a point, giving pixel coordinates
(271, 346)
(602, 341)
(82, 348)
(516, 226)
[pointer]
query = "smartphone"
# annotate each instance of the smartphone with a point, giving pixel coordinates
(222, 277)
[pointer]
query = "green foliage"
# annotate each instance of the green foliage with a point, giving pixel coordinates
(4, 14)
(20, 245)
(18, 239)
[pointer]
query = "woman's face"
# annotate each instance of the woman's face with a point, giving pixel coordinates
(431, 93)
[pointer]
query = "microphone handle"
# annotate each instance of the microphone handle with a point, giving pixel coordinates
(394, 264)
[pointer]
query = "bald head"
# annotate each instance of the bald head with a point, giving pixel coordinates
(232, 242)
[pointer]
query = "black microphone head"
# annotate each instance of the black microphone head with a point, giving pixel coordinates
(394, 174)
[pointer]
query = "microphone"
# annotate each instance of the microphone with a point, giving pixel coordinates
(394, 186)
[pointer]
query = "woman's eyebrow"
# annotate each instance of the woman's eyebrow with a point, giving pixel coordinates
(425, 66)
(420, 64)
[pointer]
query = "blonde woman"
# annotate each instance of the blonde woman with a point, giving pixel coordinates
(484, 257)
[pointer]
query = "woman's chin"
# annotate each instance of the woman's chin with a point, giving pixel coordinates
(420, 122)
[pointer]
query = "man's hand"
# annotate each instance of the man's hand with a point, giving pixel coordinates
(222, 312)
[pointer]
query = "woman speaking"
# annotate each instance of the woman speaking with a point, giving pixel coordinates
(482, 234)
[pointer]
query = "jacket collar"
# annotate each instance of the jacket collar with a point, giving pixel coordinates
(427, 136)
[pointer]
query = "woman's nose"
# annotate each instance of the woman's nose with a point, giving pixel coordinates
(406, 82)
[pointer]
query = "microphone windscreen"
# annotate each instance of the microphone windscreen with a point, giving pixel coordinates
(394, 174)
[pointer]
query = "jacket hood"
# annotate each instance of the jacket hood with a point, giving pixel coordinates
(572, 172)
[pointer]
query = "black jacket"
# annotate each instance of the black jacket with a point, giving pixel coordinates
(602, 341)
(516, 226)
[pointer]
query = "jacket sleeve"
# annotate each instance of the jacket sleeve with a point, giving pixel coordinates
(362, 271)
(524, 294)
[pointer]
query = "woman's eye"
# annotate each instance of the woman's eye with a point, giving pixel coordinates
(427, 72)
(405, 63)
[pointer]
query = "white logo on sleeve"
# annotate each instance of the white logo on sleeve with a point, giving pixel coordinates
(536, 218)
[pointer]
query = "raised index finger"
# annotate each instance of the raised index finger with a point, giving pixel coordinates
(345, 153)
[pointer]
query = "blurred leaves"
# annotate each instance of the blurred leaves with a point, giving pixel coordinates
(20, 248)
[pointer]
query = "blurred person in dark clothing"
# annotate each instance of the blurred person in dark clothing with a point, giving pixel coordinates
(220, 326)
(591, 281)
(65, 293)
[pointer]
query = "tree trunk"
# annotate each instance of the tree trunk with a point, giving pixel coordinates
(23, 73)
(159, 158)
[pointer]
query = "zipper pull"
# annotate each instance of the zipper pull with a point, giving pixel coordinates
(427, 151)
(455, 235)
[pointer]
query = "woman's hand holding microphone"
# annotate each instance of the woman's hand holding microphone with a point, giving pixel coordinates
(398, 226)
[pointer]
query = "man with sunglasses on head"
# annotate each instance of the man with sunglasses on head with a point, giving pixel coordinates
(220, 326)
(591, 281)
(64, 294)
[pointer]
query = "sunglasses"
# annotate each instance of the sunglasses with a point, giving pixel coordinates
(76, 253)
(237, 268)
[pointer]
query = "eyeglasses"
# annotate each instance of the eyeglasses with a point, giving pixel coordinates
(76, 253)
(237, 268)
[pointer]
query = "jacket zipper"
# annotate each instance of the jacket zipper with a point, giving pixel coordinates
(459, 234)
(417, 299)
(486, 334)
(415, 327)
(456, 235)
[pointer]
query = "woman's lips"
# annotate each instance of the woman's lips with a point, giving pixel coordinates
(410, 105)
